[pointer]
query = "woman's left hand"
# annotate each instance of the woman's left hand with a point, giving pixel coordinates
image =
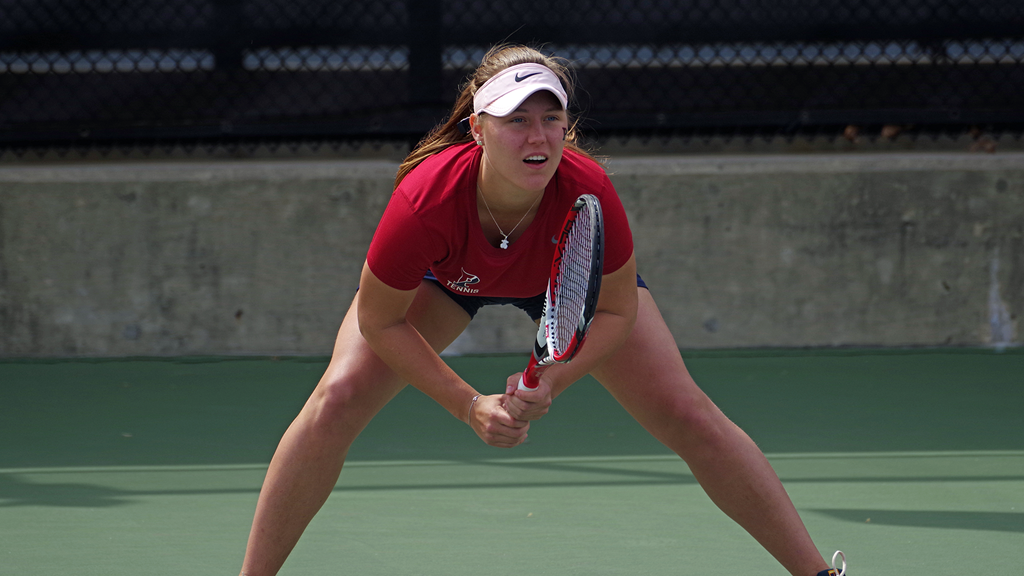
(527, 405)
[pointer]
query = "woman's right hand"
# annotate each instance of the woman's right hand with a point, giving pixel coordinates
(494, 425)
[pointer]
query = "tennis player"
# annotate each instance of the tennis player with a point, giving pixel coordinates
(471, 223)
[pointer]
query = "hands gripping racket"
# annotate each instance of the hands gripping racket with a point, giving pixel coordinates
(571, 298)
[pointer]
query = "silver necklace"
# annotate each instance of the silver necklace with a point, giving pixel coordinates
(504, 240)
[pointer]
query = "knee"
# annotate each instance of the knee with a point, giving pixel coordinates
(341, 402)
(332, 399)
(689, 423)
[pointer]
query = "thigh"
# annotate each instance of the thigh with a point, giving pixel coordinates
(357, 383)
(648, 377)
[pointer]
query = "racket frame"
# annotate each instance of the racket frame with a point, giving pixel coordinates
(546, 350)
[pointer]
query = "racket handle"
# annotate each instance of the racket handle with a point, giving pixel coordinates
(531, 376)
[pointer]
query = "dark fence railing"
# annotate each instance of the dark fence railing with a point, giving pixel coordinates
(88, 71)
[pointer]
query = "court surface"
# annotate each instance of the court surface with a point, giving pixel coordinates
(910, 461)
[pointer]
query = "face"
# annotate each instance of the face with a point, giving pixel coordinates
(522, 150)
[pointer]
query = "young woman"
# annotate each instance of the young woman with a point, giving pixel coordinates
(474, 208)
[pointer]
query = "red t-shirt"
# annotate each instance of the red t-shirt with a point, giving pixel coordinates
(432, 223)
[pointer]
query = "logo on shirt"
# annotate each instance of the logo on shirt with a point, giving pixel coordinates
(464, 282)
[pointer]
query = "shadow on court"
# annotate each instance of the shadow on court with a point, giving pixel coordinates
(996, 521)
(15, 491)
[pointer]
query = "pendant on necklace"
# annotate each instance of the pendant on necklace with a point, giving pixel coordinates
(504, 243)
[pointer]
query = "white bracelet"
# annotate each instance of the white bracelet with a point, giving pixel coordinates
(469, 417)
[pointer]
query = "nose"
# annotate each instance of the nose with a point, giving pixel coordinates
(536, 133)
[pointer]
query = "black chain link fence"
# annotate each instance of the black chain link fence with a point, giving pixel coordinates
(145, 72)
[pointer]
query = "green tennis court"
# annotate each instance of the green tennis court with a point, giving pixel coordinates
(910, 461)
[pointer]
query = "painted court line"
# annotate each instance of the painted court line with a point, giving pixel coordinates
(525, 461)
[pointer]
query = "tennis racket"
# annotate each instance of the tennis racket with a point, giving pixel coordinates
(571, 297)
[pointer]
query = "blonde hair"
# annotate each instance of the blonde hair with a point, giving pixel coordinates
(497, 59)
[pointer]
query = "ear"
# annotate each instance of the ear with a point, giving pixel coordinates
(475, 130)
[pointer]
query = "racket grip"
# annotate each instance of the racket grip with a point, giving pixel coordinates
(530, 378)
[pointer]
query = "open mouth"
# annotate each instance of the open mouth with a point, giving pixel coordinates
(536, 159)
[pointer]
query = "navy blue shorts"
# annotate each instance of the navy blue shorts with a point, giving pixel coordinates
(534, 305)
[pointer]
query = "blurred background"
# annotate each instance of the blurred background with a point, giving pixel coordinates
(157, 73)
(203, 176)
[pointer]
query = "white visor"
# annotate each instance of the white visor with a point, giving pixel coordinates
(506, 90)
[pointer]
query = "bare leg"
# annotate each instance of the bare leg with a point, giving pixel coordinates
(308, 461)
(648, 377)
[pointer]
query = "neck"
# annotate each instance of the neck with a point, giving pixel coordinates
(509, 219)
(503, 197)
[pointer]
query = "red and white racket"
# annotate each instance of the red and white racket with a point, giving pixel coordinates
(571, 298)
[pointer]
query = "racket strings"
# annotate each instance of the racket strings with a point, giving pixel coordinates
(573, 280)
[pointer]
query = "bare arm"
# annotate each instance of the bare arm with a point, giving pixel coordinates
(383, 323)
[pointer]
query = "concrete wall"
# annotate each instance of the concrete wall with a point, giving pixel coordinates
(244, 257)
(833, 250)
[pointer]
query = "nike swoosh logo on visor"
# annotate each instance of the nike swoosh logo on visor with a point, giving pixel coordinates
(521, 78)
